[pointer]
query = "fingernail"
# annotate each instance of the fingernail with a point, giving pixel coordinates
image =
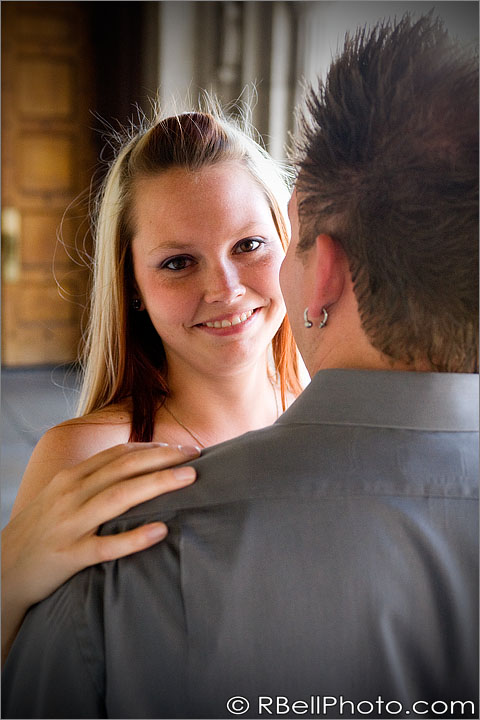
(157, 532)
(190, 450)
(185, 474)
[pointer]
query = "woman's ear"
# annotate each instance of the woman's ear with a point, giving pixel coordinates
(329, 267)
(137, 300)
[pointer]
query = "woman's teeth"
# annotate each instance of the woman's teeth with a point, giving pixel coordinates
(228, 323)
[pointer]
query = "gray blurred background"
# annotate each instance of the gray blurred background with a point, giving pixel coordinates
(73, 70)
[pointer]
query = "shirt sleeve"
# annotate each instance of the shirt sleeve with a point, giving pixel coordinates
(55, 668)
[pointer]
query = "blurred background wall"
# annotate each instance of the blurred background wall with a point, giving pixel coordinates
(72, 72)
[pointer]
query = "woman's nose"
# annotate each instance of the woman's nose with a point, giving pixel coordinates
(223, 284)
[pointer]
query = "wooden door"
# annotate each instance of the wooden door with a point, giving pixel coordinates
(47, 159)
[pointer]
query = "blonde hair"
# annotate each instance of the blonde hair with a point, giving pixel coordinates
(123, 355)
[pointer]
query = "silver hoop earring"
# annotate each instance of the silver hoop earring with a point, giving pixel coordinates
(308, 323)
(325, 318)
(136, 304)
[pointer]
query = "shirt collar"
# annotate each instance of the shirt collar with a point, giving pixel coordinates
(409, 400)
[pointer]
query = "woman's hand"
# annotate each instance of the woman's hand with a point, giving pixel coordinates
(54, 535)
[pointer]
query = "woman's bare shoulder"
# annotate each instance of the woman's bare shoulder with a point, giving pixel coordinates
(71, 442)
(115, 414)
(84, 436)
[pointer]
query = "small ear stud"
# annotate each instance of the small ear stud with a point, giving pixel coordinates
(308, 323)
(136, 304)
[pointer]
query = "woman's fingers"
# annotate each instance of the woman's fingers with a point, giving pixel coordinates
(125, 456)
(97, 461)
(134, 465)
(97, 549)
(54, 536)
(121, 462)
(139, 461)
(76, 505)
(119, 497)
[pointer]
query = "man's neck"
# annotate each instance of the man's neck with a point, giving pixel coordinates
(362, 356)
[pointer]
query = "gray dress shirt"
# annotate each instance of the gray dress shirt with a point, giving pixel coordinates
(326, 566)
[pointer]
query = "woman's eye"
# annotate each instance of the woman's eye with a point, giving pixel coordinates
(177, 263)
(248, 245)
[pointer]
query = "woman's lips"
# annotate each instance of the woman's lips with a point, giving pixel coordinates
(234, 320)
(229, 324)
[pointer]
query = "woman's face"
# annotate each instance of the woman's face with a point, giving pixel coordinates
(206, 258)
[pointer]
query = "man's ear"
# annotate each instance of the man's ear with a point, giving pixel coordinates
(329, 265)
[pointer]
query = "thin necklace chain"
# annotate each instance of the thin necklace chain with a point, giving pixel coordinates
(184, 426)
(192, 434)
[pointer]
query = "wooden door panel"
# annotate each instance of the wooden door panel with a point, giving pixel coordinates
(47, 157)
(38, 23)
(45, 244)
(46, 88)
(42, 303)
(45, 164)
(55, 338)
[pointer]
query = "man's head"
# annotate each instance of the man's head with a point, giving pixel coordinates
(388, 187)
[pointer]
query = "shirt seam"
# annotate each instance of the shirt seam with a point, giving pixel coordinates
(80, 640)
(185, 614)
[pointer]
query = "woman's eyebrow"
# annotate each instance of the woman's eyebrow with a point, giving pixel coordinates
(171, 245)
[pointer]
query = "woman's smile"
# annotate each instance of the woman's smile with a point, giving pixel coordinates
(229, 324)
